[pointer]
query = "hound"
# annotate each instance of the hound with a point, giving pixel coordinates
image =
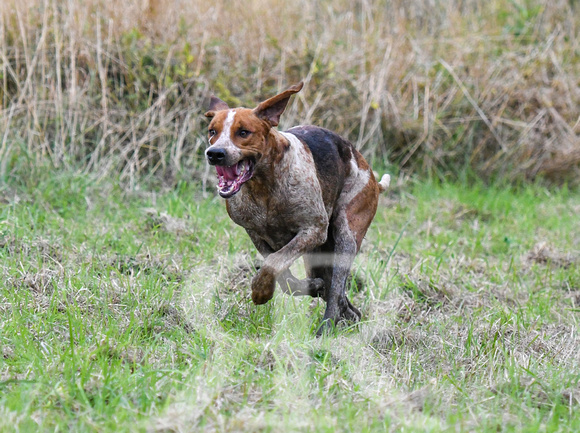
(302, 192)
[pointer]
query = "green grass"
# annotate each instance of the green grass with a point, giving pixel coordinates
(124, 311)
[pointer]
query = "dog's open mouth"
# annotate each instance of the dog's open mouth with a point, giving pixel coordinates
(230, 179)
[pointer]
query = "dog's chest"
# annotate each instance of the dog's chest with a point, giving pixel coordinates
(284, 209)
(279, 207)
(272, 220)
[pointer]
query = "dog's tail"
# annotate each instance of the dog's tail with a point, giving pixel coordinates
(385, 182)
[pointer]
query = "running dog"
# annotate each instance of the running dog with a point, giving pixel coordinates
(302, 192)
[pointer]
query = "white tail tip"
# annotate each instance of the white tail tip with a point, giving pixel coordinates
(385, 182)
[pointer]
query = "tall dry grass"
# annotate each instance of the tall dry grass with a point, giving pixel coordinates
(434, 86)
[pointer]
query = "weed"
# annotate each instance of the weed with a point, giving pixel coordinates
(452, 89)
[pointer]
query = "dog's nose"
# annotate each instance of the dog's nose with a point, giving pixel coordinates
(216, 156)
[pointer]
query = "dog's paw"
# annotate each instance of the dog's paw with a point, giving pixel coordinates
(316, 287)
(263, 286)
(335, 318)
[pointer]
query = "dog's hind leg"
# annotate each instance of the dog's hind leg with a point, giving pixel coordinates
(338, 307)
(319, 263)
(349, 226)
(307, 287)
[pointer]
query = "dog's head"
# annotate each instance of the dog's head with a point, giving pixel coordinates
(238, 138)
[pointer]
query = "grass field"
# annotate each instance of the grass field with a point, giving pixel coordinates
(124, 311)
(124, 286)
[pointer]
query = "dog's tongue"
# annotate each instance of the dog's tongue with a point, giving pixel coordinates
(229, 173)
(230, 179)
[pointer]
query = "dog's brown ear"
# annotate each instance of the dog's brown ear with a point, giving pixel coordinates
(216, 104)
(271, 109)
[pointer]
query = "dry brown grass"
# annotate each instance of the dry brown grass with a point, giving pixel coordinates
(436, 87)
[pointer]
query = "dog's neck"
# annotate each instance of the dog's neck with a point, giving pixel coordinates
(272, 169)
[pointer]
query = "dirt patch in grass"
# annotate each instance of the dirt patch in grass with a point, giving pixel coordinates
(239, 274)
(545, 254)
(47, 249)
(395, 337)
(161, 220)
(175, 317)
(146, 264)
(40, 285)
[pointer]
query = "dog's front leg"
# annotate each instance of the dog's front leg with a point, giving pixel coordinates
(288, 282)
(276, 263)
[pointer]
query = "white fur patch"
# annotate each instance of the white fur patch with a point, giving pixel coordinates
(303, 160)
(302, 179)
(226, 135)
(290, 137)
(385, 182)
(354, 183)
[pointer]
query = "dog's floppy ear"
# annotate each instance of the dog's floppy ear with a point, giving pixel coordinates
(271, 109)
(216, 104)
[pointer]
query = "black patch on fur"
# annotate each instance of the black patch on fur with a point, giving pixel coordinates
(331, 152)
(332, 155)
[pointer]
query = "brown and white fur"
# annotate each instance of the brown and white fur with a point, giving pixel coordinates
(304, 192)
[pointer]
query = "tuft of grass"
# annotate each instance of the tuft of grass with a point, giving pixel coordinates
(443, 88)
(124, 311)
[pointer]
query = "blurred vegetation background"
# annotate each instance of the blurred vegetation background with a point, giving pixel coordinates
(489, 88)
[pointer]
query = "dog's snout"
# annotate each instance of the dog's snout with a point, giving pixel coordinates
(216, 156)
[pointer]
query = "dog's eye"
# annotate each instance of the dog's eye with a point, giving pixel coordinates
(211, 133)
(244, 133)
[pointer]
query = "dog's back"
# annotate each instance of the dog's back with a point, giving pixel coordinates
(332, 155)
